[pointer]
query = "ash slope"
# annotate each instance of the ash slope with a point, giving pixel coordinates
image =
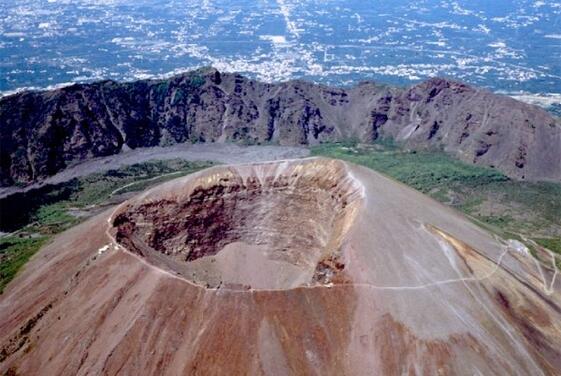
(394, 283)
(43, 132)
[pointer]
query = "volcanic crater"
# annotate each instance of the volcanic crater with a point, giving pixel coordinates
(259, 226)
(311, 266)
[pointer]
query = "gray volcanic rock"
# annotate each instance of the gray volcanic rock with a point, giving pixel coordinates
(43, 132)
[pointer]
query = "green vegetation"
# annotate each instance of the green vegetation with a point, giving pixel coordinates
(54, 218)
(14, 253)
(196, 80)
(97, 188)
(488, 197)
(553, 245)
(179, 96)
(160, 90)
(426, 171)
(41, 213)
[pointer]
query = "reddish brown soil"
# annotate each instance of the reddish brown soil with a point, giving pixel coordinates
(385, 281)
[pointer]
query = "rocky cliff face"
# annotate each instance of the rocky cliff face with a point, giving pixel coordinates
(42, 132)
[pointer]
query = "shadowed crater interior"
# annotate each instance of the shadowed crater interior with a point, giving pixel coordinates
(264, 226)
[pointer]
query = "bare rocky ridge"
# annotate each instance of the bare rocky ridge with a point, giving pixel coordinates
(41, 133)
(371, 278)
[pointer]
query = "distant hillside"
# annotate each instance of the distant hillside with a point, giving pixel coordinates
(42, 132)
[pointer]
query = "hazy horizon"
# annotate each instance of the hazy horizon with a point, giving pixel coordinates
(506, 46)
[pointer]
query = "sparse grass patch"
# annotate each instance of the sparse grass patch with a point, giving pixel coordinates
(14, 253)
(423, 170)
(553, 244)
(485, 195)
(53, 218)
(44, 211)
(97, 188)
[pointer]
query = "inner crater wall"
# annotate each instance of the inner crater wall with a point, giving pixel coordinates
(294, 213)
